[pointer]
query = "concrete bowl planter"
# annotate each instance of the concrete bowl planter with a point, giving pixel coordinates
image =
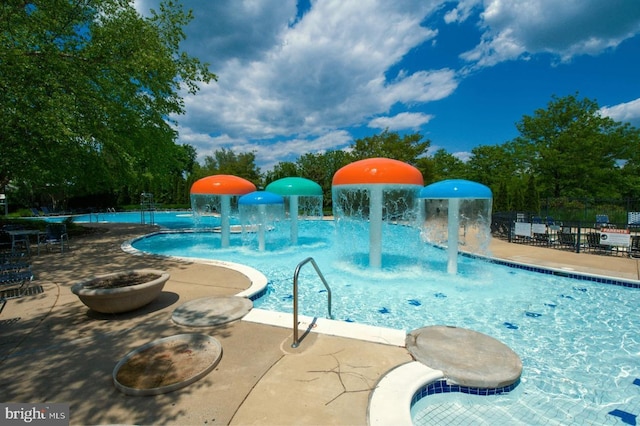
(122, 291)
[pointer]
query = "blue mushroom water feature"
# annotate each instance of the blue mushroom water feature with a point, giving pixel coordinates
(258, 212)
(454, 205)
(303, 196)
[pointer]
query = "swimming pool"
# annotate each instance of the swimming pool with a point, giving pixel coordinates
(166, 219)
(578, 340)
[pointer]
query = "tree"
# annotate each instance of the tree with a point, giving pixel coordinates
(446, 166)
(573, 150)
(226, 162)
(85, 91)
(390, 145)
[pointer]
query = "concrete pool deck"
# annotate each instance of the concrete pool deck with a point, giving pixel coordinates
(53, 349)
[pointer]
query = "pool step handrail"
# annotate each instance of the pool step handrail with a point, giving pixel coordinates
(296, 341)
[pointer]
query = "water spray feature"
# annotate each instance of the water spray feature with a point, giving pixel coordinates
(468, 207)
(377, 190)
(259, 210)
(304, 198)
(218, 194)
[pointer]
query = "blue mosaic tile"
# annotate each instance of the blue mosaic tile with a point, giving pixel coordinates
(288, 297)
(564, 296)
(414, 302)
(348, 320)
(582, 289)
(440, 295)
(636, 382)
(550, 305)
(441, 386)
(533, 314)
(602, 280)
(384, 311)
(627, 418)
(322, 291)
(510, 326)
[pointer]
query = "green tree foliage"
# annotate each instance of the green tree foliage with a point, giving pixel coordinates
(445, 166)
(574, 151)
(226, 162)
(85, 91)
(390, 145)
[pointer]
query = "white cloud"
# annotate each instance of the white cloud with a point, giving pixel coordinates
(327, 72)
(564, 28)
(625, 112)
(404, 120)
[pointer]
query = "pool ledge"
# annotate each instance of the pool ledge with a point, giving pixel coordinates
(390, 400)
(351, 330)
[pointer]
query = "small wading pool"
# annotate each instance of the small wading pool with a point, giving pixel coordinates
(577, 339)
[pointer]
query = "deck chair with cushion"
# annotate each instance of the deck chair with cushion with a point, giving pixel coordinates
(56, 233)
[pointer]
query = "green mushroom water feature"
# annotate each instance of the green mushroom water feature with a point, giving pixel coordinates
(304, 198)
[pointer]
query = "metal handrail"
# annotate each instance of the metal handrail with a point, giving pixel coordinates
(296, 341)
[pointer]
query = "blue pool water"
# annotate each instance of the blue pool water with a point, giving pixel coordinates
(166, 219)
(578, 340)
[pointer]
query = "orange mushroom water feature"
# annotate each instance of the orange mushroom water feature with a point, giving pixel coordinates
(214, 194)
(391, 185)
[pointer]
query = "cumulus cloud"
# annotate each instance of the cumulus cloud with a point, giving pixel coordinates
(513, 29)
(404, 120)
(310, 77)
(625, 112)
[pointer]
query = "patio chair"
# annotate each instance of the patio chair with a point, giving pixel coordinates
(593, 243)
(56, 233)
(634, 249)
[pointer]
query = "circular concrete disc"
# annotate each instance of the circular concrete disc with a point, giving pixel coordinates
(465, 356)
(167, 364)
(209, 311)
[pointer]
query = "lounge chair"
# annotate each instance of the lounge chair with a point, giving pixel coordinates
(36, 212)
(567, 239)
(14, 279)
(593, 243)
(56, 233)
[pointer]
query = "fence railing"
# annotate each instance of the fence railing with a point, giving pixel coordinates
(597, 237)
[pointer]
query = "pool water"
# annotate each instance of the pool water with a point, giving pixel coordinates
(166, 219)
(578, 340)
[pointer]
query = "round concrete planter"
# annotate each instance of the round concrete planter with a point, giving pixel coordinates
(120, 299)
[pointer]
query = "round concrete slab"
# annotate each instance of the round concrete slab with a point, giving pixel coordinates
(466, 357)
(209, 311)
(167, 364)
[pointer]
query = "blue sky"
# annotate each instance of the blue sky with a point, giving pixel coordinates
(300, 76)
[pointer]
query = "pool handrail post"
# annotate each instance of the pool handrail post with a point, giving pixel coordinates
(296, 340)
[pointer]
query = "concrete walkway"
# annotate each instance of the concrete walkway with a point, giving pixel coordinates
(53, 349)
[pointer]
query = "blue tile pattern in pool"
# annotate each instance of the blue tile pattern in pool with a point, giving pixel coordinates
(441, 386)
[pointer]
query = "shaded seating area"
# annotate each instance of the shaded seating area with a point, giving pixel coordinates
(15, 278)
(56, 235)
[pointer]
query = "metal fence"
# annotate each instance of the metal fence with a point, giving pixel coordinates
(599, 236)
